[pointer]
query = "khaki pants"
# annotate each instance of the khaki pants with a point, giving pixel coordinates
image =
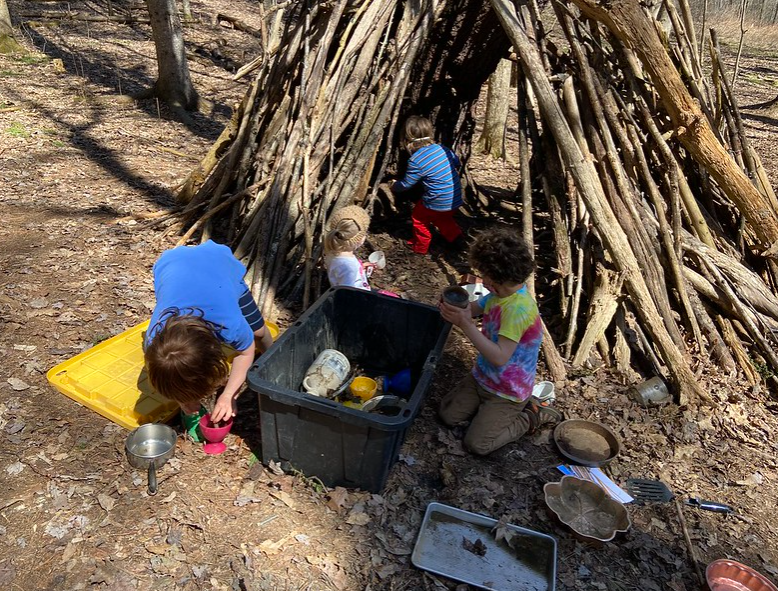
(496, 421)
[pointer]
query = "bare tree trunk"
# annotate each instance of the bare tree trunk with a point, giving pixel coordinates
(703, 29)
(5, 20)
(8, 43)
(743, 5)
(492, 140)
(173, 84)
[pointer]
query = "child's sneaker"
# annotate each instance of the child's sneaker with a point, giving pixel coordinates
(191, 423)
(542, 415)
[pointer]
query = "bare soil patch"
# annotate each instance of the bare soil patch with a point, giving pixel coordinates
(75, 162)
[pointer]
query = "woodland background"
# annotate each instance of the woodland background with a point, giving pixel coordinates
(81, 167)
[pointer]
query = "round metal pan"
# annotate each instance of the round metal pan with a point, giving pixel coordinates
(148, 448)
(586, 443)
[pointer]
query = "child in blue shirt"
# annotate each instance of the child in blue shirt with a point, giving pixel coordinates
(202, 303)
(437, 168)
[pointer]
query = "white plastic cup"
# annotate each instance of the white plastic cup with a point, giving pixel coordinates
(326, 373)
(377, 258)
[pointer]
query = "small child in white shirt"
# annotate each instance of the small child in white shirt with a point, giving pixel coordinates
(346, 232)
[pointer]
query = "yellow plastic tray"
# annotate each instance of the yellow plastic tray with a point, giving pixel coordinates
(111, 379)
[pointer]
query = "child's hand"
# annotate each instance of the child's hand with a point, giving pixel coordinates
(225, 408)
(457, 316)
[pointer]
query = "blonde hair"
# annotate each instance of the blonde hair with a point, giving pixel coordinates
(417, 133)
(344, 237)
(347, 230)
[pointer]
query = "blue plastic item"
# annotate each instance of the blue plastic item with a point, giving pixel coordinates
(399, 383)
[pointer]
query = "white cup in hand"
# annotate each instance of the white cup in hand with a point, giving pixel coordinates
(378, 259)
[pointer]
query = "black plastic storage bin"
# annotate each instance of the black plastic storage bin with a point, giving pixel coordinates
(320, 437)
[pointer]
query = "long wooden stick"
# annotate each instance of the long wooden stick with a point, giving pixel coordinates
(588, 183)
(689, 545)
(627, 21)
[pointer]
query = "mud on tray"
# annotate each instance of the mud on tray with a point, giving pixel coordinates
(460, 545)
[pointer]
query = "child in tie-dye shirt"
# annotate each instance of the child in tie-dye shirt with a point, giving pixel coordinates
(497, 394)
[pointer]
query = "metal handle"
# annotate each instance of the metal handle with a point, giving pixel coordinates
(713, 506)
(709, 505)
(152, 478)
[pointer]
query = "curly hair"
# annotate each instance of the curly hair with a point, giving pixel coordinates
(185, 359)
(502, 255)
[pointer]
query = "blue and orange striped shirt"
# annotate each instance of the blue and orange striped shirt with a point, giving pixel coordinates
(437, 168)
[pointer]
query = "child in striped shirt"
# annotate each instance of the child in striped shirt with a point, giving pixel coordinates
(437, 167)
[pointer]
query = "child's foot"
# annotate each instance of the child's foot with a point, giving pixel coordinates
(540, 416)
(458, 243)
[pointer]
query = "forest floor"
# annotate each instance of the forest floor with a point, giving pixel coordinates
(77, 162)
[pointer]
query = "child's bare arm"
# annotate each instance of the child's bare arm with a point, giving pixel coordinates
(498, 353)
(224, 408)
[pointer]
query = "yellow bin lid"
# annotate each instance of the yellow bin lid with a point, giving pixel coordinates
(111, 379)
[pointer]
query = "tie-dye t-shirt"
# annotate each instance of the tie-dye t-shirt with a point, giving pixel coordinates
(515, 317)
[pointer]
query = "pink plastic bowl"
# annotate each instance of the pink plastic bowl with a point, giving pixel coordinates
(211, 432)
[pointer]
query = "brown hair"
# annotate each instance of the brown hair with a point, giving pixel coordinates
(417, 133)
(185, 359)
(502, 255)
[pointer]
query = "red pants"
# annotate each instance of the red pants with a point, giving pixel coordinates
(422, 218)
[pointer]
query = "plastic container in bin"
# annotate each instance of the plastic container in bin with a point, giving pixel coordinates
(320, 437)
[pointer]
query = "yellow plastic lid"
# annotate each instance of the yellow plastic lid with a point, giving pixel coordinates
(111, 379)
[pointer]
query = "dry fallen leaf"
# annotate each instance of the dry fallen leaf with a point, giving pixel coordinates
(106, 502)
(70, 550)
(284, 498)
(15, 468)
(357, 518)
(270, 547)
(501, 531)
(754, 480)
(170, 497)
(158, 549)
(17, 384)
(27, 348)
(478, 547)
(337, 499)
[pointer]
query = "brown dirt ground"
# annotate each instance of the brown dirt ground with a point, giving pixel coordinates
(75, 162)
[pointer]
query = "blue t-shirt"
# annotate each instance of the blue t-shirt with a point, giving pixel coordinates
(207, 277)
(437, 168)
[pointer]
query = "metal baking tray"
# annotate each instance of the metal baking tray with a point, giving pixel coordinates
(440, 549)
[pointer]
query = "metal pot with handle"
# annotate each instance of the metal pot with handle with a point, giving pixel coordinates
(148, 448)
